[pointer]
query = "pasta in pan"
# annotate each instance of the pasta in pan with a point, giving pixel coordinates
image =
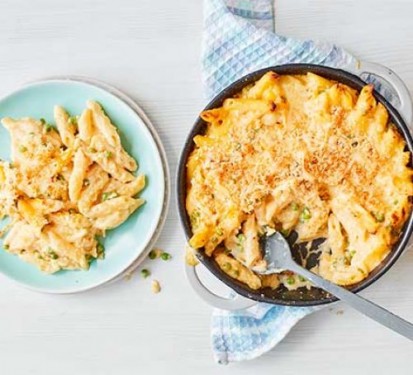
(65, 187)
(302, 153)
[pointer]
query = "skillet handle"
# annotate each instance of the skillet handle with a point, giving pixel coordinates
(236, 302)
(405, 105)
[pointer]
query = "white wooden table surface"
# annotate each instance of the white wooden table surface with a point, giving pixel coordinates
(151, 49)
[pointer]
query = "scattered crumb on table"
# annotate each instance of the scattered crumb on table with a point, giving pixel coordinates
(128, 275)
(156, 287)
(190, 257)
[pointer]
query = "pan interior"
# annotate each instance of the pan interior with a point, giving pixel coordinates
(305, 254)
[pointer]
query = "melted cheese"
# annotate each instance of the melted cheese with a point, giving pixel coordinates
(300, 153)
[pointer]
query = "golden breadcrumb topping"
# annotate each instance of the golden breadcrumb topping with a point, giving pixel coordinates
(303, 153)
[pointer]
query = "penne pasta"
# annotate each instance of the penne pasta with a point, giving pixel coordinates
(65, 188)
(66, 130)
(111, 205)
(129, 189)
(77, 177)
(85, 125)
(95, 181)
(104, 125)
(298, 153)
(108, 164)
(116, 218)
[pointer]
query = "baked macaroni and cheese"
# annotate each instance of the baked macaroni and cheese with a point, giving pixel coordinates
(298, 153)
(65, 187)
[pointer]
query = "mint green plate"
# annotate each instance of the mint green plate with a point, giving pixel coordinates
(129, 243)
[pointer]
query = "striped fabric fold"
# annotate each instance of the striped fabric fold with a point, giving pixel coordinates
(239, 38)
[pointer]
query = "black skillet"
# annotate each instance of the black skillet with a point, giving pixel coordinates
(301, 296)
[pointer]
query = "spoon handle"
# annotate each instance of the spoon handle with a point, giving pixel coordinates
(373, 311)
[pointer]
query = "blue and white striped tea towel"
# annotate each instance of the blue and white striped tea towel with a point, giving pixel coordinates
(239, 38)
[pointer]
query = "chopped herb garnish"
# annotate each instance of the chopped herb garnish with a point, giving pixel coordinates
(396, 202)
(6, 246)
(145, 273)
(152, 254)
(42, 121)
(166, 256)
(290, 280)
(109, 195)
(22, 148)
(108, 154)
(305, 214)
(302, 279)
(92, 150)
(236, 273)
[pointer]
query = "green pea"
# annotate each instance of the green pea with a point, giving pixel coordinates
(219, 231)
(305, 214)
(290, 280)
(166, 256)
(241, 238)
(109, 195)
(48, 127)
(226, 267)
(379, 216)
(285, 232)
(100, 249)
(145, 273)
(53, 254)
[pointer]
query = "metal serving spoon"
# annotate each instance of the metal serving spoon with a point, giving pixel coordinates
(278, 257)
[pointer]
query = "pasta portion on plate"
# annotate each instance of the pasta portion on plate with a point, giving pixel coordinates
(298, 153)
(65, 187)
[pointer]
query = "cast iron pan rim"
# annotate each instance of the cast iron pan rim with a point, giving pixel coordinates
(331, 73)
